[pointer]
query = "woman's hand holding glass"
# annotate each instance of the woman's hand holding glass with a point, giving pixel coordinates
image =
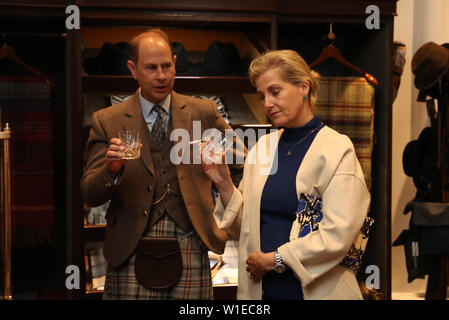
(213, 160)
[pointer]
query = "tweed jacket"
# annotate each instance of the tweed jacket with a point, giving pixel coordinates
(330, 170)
(131, 199)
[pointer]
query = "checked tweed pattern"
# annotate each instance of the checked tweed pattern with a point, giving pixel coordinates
(159, 129)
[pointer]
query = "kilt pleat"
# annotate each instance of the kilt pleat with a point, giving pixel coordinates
(195, 282)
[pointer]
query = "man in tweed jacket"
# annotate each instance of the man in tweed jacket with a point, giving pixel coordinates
(135, 186)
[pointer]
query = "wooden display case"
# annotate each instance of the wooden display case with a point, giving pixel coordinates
(197, 33)
(264, 24)
(271, 26)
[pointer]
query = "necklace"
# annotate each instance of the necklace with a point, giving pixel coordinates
(289, 151)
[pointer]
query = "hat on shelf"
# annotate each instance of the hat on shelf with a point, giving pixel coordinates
(184, 67)
(417, 158)
(222, 59)
(112, 60)
(408, 163)
(429, 64)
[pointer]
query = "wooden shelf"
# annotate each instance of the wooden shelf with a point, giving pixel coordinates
(198, 5)
(94, 294)
(225, 291)
(94, 226)
(214, 84)
(221, 292)
(206, 84)
(94, 232)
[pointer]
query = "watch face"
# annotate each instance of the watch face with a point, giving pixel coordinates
(279, 268)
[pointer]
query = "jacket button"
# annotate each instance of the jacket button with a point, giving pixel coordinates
(145, 213)
(149, 188)
(108, 184)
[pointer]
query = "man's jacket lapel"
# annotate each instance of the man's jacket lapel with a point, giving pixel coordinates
(134, 121)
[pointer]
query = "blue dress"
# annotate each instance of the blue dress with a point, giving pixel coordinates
(278, 205)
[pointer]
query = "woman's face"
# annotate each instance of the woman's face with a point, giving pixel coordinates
(283, 101)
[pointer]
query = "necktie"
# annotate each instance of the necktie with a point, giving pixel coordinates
(158, 130)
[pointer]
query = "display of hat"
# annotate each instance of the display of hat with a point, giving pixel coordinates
(112, 60)
(182, 60)
(429, 64)
(407, 158)
(223, 59)
(417, 157)
(184, 67)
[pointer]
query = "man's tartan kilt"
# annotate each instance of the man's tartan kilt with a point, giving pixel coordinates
(195, 282)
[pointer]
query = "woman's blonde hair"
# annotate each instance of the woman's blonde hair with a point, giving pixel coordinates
(293, 70)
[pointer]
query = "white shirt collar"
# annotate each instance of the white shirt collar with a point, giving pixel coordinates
(147, 106)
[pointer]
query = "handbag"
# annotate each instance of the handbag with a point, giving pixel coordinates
(308, 218)
(432, 221)
(414, 262)
(427, 236)
(158, 263)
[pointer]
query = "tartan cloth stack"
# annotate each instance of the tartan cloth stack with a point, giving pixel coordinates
(346, 104)
(221, 108)
(26, 104)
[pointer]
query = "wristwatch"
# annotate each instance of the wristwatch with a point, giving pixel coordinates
(279, 267)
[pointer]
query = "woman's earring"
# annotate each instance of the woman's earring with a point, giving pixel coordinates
(304, 97)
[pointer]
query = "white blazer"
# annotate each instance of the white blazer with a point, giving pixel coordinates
(330, 170)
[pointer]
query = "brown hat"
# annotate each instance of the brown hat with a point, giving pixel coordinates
(429, 64)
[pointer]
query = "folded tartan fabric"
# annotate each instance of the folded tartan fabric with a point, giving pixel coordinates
(220, 106)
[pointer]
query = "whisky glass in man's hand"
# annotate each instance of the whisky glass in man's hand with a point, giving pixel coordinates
(131, 142)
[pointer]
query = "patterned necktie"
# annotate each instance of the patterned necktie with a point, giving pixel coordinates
(158, 130)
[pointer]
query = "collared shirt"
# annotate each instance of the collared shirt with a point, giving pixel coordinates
(149, 114)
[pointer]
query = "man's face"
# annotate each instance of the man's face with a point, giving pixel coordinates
(155, 68)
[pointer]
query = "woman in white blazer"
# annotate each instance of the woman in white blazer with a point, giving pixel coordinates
(305, 167)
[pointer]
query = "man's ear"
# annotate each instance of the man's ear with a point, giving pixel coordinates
(174, 62)
(132, 67)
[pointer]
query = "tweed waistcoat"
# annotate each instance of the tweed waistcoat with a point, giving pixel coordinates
(167, 194)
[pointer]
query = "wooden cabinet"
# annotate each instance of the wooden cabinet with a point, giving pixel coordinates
(249, 31)
(196, 6)
(262, 24)
(266, 24)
